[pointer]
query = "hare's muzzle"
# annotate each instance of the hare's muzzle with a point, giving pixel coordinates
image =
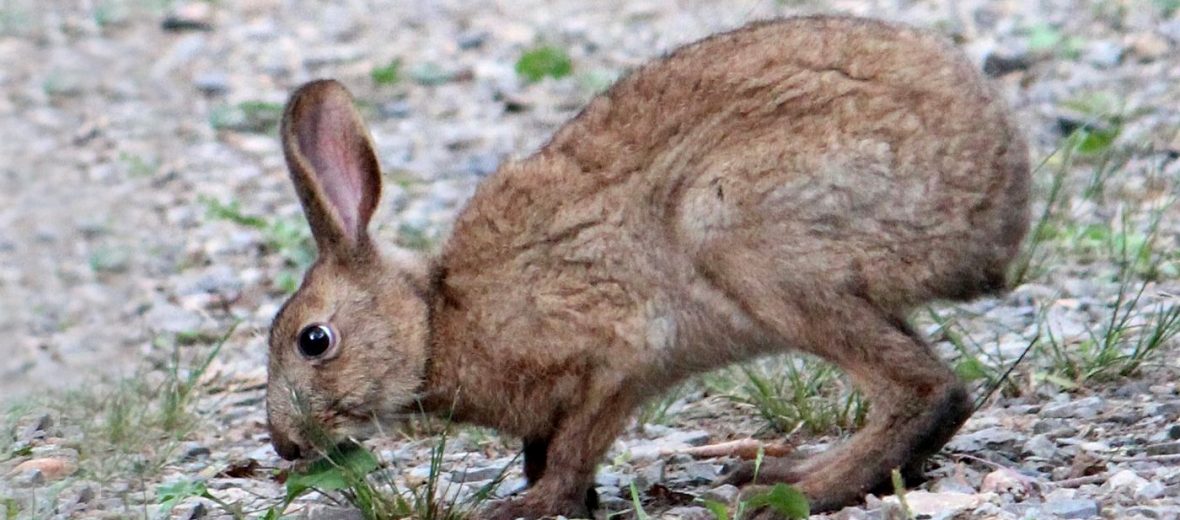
(283, 446)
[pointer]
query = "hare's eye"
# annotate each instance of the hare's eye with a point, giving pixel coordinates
(315, 340)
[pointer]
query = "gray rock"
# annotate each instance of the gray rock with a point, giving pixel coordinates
(701, 472)
(987, 438)
(191, 510)
(29, 478)
(213, 83)
(691, 438)
(191, 451)
(1103, 53)
(476, 474)
(688, 513)
(608, 491)
(725, 493)
(511, 486)
(1072, 508)
(1150, 491)
(651, 474)
(1041, 446)
(325, 512)
(1087, 408)
(33, 427)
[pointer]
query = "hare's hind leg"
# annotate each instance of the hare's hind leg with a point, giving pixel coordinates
(917, 402)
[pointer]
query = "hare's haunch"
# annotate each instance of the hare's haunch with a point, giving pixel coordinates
(791, 185)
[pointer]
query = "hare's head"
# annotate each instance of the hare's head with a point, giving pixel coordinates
(348, 350)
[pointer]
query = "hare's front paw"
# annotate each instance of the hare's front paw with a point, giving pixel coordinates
(512, 509)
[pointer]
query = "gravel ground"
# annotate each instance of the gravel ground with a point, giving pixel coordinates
(145, 209)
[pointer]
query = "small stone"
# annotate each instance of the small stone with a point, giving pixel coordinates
(32, 477)
(212, 83)
(651, 474)
(1149, 46)
(1006, 480)
(1072, 508)
(1166, 448)
(1041, 446)
(193, 16)
(701, 472)
(1078, 409)
(511, 486)
(191, 451)
(1150, 491)
(33, 427)
(1103, 53)
(687, 513)
(472, 40)
(1125, 481)
(50, 468)
(690, 438)
(476, 474)
(851, 513)
(996, 64)
(725, 493)
(325, 512)
(987, 438)
(191, 510)
(925, 504)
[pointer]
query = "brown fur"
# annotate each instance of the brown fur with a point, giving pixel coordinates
(791, 185)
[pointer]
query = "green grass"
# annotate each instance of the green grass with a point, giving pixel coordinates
(247, 116)
(387, 75)
(351, 476)
(544, 61)
(795, 392)
(129, 429)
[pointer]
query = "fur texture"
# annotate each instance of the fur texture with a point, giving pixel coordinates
(797, 184)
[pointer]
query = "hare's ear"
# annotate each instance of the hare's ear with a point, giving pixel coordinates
(332, 164)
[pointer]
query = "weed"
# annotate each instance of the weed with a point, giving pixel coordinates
(106, 259)
(170, 495)
(899, 492)
(351, 472)
(1045, 38)
(387, 75)
(1127, 338)
(247, 116)
(544, 61)
(799, 392)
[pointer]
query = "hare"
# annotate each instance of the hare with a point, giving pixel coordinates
(797, 184)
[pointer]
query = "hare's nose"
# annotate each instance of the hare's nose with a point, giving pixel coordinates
(283, 446)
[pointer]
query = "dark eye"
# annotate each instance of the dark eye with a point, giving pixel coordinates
(315, 340)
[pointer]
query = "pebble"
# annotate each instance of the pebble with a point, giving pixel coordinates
(1041, 446)
(988, 438)
(1149, 46)
(1072, 508)
(191, 451)
(701, 472)
(938, 506)
(725, 493)
(48, 468)
(476, 474)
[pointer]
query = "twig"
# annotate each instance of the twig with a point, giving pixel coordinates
(744, 448)
(1081, 481)
(1170, 457)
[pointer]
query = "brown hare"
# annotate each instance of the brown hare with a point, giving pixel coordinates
(797, 184)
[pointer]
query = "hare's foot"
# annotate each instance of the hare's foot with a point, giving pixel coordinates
(535, 507)
(770, 470)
